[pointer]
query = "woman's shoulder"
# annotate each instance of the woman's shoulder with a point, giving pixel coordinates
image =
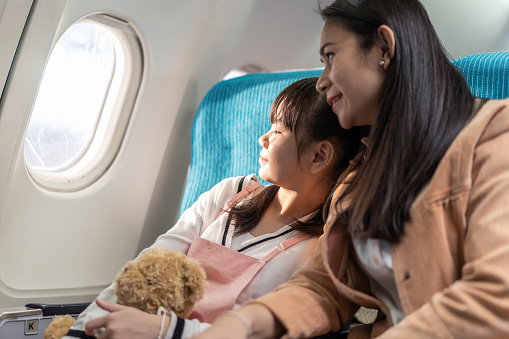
(491, 119)
(490, 109)
(478, 141)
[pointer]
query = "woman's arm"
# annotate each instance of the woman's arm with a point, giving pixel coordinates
(253, 321)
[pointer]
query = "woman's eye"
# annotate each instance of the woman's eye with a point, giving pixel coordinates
(327, 58)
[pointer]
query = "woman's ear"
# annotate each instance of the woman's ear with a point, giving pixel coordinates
(322, 155)
(388, 45)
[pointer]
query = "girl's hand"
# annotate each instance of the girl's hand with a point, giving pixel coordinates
(125, 322)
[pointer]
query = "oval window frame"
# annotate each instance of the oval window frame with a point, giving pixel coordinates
(114, 117)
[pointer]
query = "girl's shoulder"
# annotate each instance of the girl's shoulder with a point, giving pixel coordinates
(236, 184)
(229, 187)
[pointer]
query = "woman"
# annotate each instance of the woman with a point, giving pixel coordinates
(302, 155)
(420, 233)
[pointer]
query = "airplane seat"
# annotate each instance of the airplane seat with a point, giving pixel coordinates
(487, 74)
(227, 125)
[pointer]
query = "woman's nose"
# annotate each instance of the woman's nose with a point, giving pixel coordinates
(323, 83)
(264, 141)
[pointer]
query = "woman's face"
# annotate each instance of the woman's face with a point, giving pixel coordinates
(352, 78)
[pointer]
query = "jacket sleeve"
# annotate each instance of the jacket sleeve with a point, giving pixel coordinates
(476, 305)
(309, 303)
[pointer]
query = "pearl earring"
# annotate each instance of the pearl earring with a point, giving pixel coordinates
(382, 63)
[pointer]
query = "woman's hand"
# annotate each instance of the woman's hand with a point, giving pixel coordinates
(261, 321)
(125, 322)
(227, 327)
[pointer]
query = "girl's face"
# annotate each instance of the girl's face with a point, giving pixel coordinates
(279, 161)
(352, 78)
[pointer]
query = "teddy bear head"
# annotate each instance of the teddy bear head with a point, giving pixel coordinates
(161, 277)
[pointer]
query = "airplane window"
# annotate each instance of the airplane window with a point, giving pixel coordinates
(84, 102)
(70, 98)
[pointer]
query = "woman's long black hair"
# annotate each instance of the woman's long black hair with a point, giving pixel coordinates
(305, 112)
(424, 104)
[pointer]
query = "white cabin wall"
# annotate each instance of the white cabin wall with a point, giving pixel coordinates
(15, 109)
(470, 26)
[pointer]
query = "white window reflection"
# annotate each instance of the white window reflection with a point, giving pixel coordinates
(71, 98)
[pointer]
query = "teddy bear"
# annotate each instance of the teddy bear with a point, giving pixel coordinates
(159, 277)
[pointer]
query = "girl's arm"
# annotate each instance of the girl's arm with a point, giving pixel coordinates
(192, 222)
(125, 322)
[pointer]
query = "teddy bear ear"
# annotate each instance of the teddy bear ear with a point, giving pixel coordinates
(195, 280)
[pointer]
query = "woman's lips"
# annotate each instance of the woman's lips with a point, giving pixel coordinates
(333, 100)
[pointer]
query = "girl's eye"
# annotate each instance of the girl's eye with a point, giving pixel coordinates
(329, 56)
(275, 129)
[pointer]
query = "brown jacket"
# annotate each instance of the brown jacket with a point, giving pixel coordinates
(451, 267)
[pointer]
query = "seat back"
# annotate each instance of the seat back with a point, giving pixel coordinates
(235, 113)
(487, 74)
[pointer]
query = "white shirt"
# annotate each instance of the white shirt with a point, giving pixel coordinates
(375, 256)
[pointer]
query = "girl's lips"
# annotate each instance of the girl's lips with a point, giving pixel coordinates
(262, 156)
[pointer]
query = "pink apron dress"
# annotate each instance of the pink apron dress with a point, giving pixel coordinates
(228, 271)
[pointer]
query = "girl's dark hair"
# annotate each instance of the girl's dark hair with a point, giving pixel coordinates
(424, 104)
(305, 112)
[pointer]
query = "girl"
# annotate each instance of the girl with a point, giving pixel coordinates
(421, 232)
(302, 156)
